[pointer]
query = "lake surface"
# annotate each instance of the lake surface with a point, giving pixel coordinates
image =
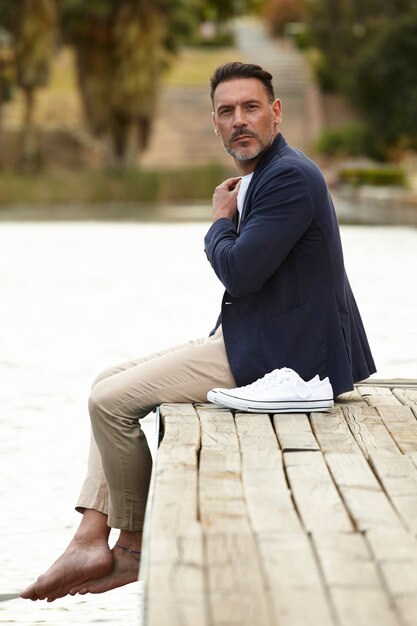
(79, 296)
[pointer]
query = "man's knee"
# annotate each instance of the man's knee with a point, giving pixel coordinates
(100, 400)
(106, 373)
(110, 403)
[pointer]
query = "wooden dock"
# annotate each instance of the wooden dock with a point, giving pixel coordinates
(288, 520)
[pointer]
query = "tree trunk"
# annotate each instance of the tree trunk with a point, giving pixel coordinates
(29, 155)
(123, 151)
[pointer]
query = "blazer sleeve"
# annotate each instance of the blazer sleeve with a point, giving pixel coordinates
(281, 212)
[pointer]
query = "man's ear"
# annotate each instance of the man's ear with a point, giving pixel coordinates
(213, 117)
(277, 111)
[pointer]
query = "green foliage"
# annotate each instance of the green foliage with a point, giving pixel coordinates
(35, 41)
(33, 25)
(7, 67)
(340, 29)
(378, 176)
(384, 84)
(9, 14)
(349, 140)
(188, 184)
(122, 47)
(218, 10)
(368, 51)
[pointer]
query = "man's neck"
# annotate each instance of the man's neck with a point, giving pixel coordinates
(247, 167)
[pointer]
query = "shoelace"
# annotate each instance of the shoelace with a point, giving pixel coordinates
(278, 376)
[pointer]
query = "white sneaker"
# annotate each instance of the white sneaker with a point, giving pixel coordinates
(280, 391)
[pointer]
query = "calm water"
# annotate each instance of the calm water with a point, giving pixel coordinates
(76, 297)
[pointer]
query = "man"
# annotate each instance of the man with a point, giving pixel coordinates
(287, 303)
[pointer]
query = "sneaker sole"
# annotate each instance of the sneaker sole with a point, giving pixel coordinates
(283, 406)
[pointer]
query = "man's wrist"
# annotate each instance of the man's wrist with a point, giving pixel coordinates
(222, 214)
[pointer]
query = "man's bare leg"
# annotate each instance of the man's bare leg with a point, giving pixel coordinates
(87, 557)
(126, 557)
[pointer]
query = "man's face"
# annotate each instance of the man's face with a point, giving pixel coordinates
(244, 118)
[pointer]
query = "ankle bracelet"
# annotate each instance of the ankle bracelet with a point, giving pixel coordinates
(128, 549)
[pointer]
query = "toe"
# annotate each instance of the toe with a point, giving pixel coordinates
(29, 593)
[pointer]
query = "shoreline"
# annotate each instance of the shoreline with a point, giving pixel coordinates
(361, 206)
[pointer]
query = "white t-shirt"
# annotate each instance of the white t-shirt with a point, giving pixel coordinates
(244, 184)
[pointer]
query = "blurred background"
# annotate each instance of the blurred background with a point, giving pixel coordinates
(107, 100)
(108, 161)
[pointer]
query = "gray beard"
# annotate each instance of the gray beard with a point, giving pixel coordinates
(236, 153)
(240, 154)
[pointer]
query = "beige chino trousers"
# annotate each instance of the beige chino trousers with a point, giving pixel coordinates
(120, 462)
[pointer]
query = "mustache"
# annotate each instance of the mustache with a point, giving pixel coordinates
(241, 132)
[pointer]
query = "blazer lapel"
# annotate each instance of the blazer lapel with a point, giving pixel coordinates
(278, 143)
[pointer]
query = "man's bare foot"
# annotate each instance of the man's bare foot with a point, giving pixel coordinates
(78, 564)
(125, 570)
(87, 556)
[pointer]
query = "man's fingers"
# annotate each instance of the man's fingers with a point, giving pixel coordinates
(231, 183)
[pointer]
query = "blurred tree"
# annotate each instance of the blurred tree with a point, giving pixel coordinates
(363, 49)
(34, 27)
(384, 84)
(218, 10)
(278, 13)
(122, 47)
(340, 29)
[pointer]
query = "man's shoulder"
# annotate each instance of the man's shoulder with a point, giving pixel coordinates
(289, 161)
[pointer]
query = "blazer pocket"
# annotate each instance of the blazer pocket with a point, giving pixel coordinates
(294, 340)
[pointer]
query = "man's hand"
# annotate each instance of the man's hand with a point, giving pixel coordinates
(225, 199)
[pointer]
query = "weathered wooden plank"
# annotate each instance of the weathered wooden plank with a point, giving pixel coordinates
(295, 587)
(353, 580)
(402, 426)
(221, 500)
(406, 396)
(396, 554)
(377, 396)
(236, 588)
(181, 426)
(168, 515)
(397, 546)
(268, 498)
(332, 432)
(176, 470)
(315, 493)
(362, 494)
(175, 585)
(366, 501)
(367, 607)
(351, 397)
(394, 470)
(294, 432)
(369, 431)
(398, 476)
(226, 545)
(413, 457)
(345, 560)
(392, 383)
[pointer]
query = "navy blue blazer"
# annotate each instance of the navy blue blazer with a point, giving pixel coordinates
(288, 302)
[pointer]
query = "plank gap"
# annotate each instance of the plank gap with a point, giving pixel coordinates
(325, 585)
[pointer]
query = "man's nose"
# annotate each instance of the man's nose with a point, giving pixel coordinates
(239, 117)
